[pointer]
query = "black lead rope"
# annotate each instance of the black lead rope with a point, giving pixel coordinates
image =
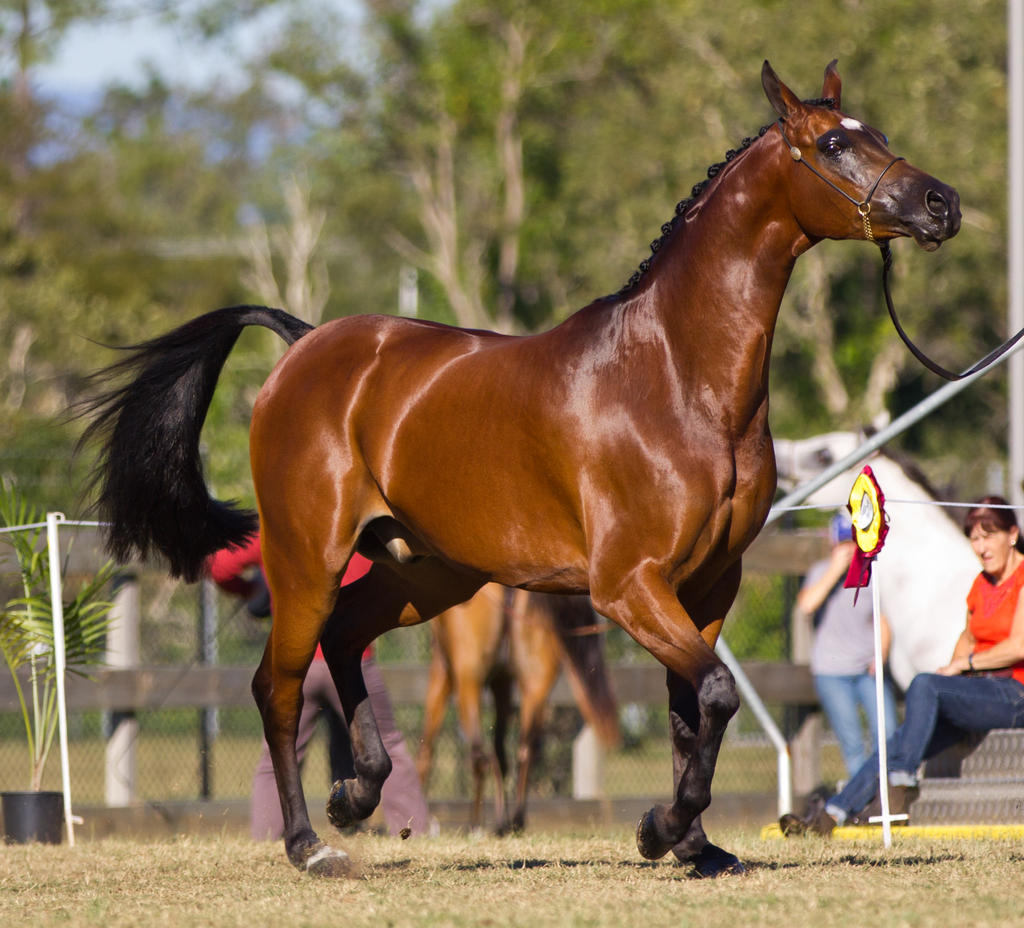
(985, 362)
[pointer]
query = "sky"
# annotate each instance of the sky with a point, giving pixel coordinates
(91, 57)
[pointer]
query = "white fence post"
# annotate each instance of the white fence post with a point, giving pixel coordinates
(587, 765)
(123, 651)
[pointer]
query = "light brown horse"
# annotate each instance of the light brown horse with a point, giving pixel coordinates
(624, 453)
(502, 638)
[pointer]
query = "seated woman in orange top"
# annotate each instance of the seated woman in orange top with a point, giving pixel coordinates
(981, 688)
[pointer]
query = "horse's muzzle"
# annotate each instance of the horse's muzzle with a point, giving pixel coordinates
(941, 217)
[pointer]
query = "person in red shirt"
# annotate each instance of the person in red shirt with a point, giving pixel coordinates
(981, 688)
(240, 571)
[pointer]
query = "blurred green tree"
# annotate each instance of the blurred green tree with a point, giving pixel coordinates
(518, 156)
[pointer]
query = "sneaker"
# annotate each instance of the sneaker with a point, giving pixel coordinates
(900, 798)
(791, 825)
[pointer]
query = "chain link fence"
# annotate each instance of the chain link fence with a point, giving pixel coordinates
(186, 754)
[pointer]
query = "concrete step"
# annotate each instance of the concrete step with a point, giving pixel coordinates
(979, 781)
(976, 801)
(997, 754)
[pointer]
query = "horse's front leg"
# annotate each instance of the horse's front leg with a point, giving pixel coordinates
(707, 859)
(695, 849)
(698, 716)
(702, 700)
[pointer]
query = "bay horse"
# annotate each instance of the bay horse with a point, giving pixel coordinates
(498, 639)
(624, 453)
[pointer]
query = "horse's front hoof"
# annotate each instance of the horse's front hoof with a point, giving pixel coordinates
(339, 807)
(712, 862)
(330, 863)
(651, 844)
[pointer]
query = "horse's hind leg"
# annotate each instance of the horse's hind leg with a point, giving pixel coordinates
(381, 600)
(537, 661)
(468, 693)
(439, 688)
(354, 799)
(500, 683)
(277, 688)
(344, 638)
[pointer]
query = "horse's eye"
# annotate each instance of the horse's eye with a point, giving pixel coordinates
(834, 143)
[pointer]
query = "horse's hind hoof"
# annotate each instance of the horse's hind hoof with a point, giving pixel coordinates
(339, 807)
(649, 842)
(712, 862)
(330, 863)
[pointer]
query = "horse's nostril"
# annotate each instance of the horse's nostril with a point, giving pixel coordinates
(936, 204)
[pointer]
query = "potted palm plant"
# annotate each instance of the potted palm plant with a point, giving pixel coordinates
(27, 642)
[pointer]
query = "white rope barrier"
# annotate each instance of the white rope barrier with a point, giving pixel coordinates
(942, 503)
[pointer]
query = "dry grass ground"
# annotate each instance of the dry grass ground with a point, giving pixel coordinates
(535, 880)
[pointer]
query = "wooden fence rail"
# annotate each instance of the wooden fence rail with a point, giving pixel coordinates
(194, 686)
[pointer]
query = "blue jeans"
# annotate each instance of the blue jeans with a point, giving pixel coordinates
(939, 712)
(842, 697)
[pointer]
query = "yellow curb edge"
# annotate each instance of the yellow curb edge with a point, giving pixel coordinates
(874, 832)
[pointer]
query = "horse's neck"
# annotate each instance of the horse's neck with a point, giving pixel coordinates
(717, 284)
(737, 234)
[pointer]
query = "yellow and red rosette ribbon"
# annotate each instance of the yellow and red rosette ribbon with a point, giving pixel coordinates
(870, 526)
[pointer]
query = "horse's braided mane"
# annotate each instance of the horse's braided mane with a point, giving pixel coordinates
(697, 190)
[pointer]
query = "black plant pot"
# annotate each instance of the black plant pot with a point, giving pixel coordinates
(33, 816)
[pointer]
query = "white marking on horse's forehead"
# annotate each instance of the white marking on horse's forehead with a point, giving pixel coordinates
(852, 124)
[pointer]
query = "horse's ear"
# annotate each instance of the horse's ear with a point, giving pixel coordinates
(782, 99)
(833, 86)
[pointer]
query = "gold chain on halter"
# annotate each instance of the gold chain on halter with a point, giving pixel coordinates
(865, 216)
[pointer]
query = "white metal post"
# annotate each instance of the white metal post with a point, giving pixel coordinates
(1015, 244)
(760, 710)
(53, 519)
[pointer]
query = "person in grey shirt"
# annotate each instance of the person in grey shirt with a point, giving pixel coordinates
(843, 654)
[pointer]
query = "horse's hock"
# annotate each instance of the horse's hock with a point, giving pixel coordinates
(978, 781)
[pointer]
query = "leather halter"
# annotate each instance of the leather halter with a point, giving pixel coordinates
(864, 211)
(863, 206)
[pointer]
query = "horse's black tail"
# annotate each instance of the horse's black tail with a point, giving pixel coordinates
(151, 491)
(580, 635)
